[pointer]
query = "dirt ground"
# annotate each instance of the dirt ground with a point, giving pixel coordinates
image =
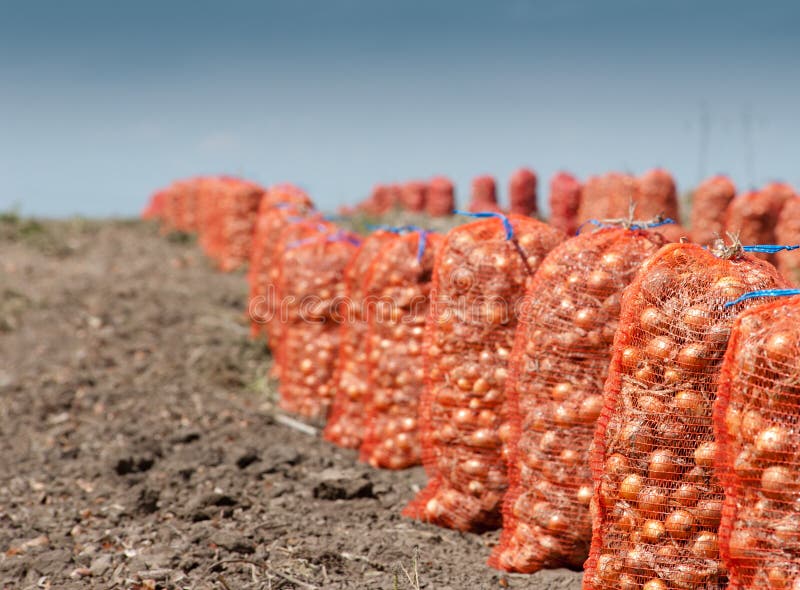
(140, 447)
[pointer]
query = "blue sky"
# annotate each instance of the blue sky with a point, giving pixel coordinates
(101, 102)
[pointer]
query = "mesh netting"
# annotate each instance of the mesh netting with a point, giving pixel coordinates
(554, 392)
(656, 503)
(753, 216)
(177, 206)
(275, 307)
(484, 195)
(607, 197)
(441, 197)
(209, 213)
(229, 208)
(756, 418)
(345, 425)
(413, 194)
(565, 199)
(480, 276)
(312, 285)
(522, 193)
(279, 207)
(657, 195)
(398, 289)
(709, 206)
(787, 231)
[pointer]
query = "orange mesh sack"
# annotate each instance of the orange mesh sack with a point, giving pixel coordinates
(345, 425)
(787, 231)
(554, 395)
(709, 204)
(657, 195)
(480, 276)
(170, 209)
(238, 209)
(565, 199)
(398, 288)
(608, 197)
(412, 195)
(756, 419)
(275, 307)
(656, 503)
(441, 198)
(522, 193)
(312, 284)
(209, 214)
(273, 215)
(484, 195)
(186, 205)
(754, 215)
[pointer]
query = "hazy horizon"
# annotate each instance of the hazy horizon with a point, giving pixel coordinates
(102, 103)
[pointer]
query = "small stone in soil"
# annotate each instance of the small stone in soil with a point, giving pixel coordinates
(278, 458)
(339, 484)
(233, 542)
(247, 458)
(133, 464)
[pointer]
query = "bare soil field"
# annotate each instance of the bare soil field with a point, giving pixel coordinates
(141, 447)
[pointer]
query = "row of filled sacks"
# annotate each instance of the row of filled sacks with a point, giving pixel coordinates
(220, 210)
(523, 442)
(537, 347)
(513, 333)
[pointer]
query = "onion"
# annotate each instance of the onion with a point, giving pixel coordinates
(705, 454)
(691, 403)
(679, 524)
(695, 356)
(696, 318)
(742, 544)
(637, 436)
(616, 465)
(631, 357)
(705, 545)
(662, 465)
(708, 513)
(686, 495)
(777, 482)
(630, 487)
(751, 424)
(585, 318)
(636, 559)
(652, 501)
(600, 280)
(655, 584)
(661, 348)
(584, 495)
(653, 531)
(591, 407)
(609, 569)
(781, 346)
(652, 319)
(772, 442)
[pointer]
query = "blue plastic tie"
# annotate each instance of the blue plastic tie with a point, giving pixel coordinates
(768, 248)
(506, 223)
(423, 237)
(635, 226)
(395, 229)
(764, 293)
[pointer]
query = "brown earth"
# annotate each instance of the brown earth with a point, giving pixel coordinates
(140, 447)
